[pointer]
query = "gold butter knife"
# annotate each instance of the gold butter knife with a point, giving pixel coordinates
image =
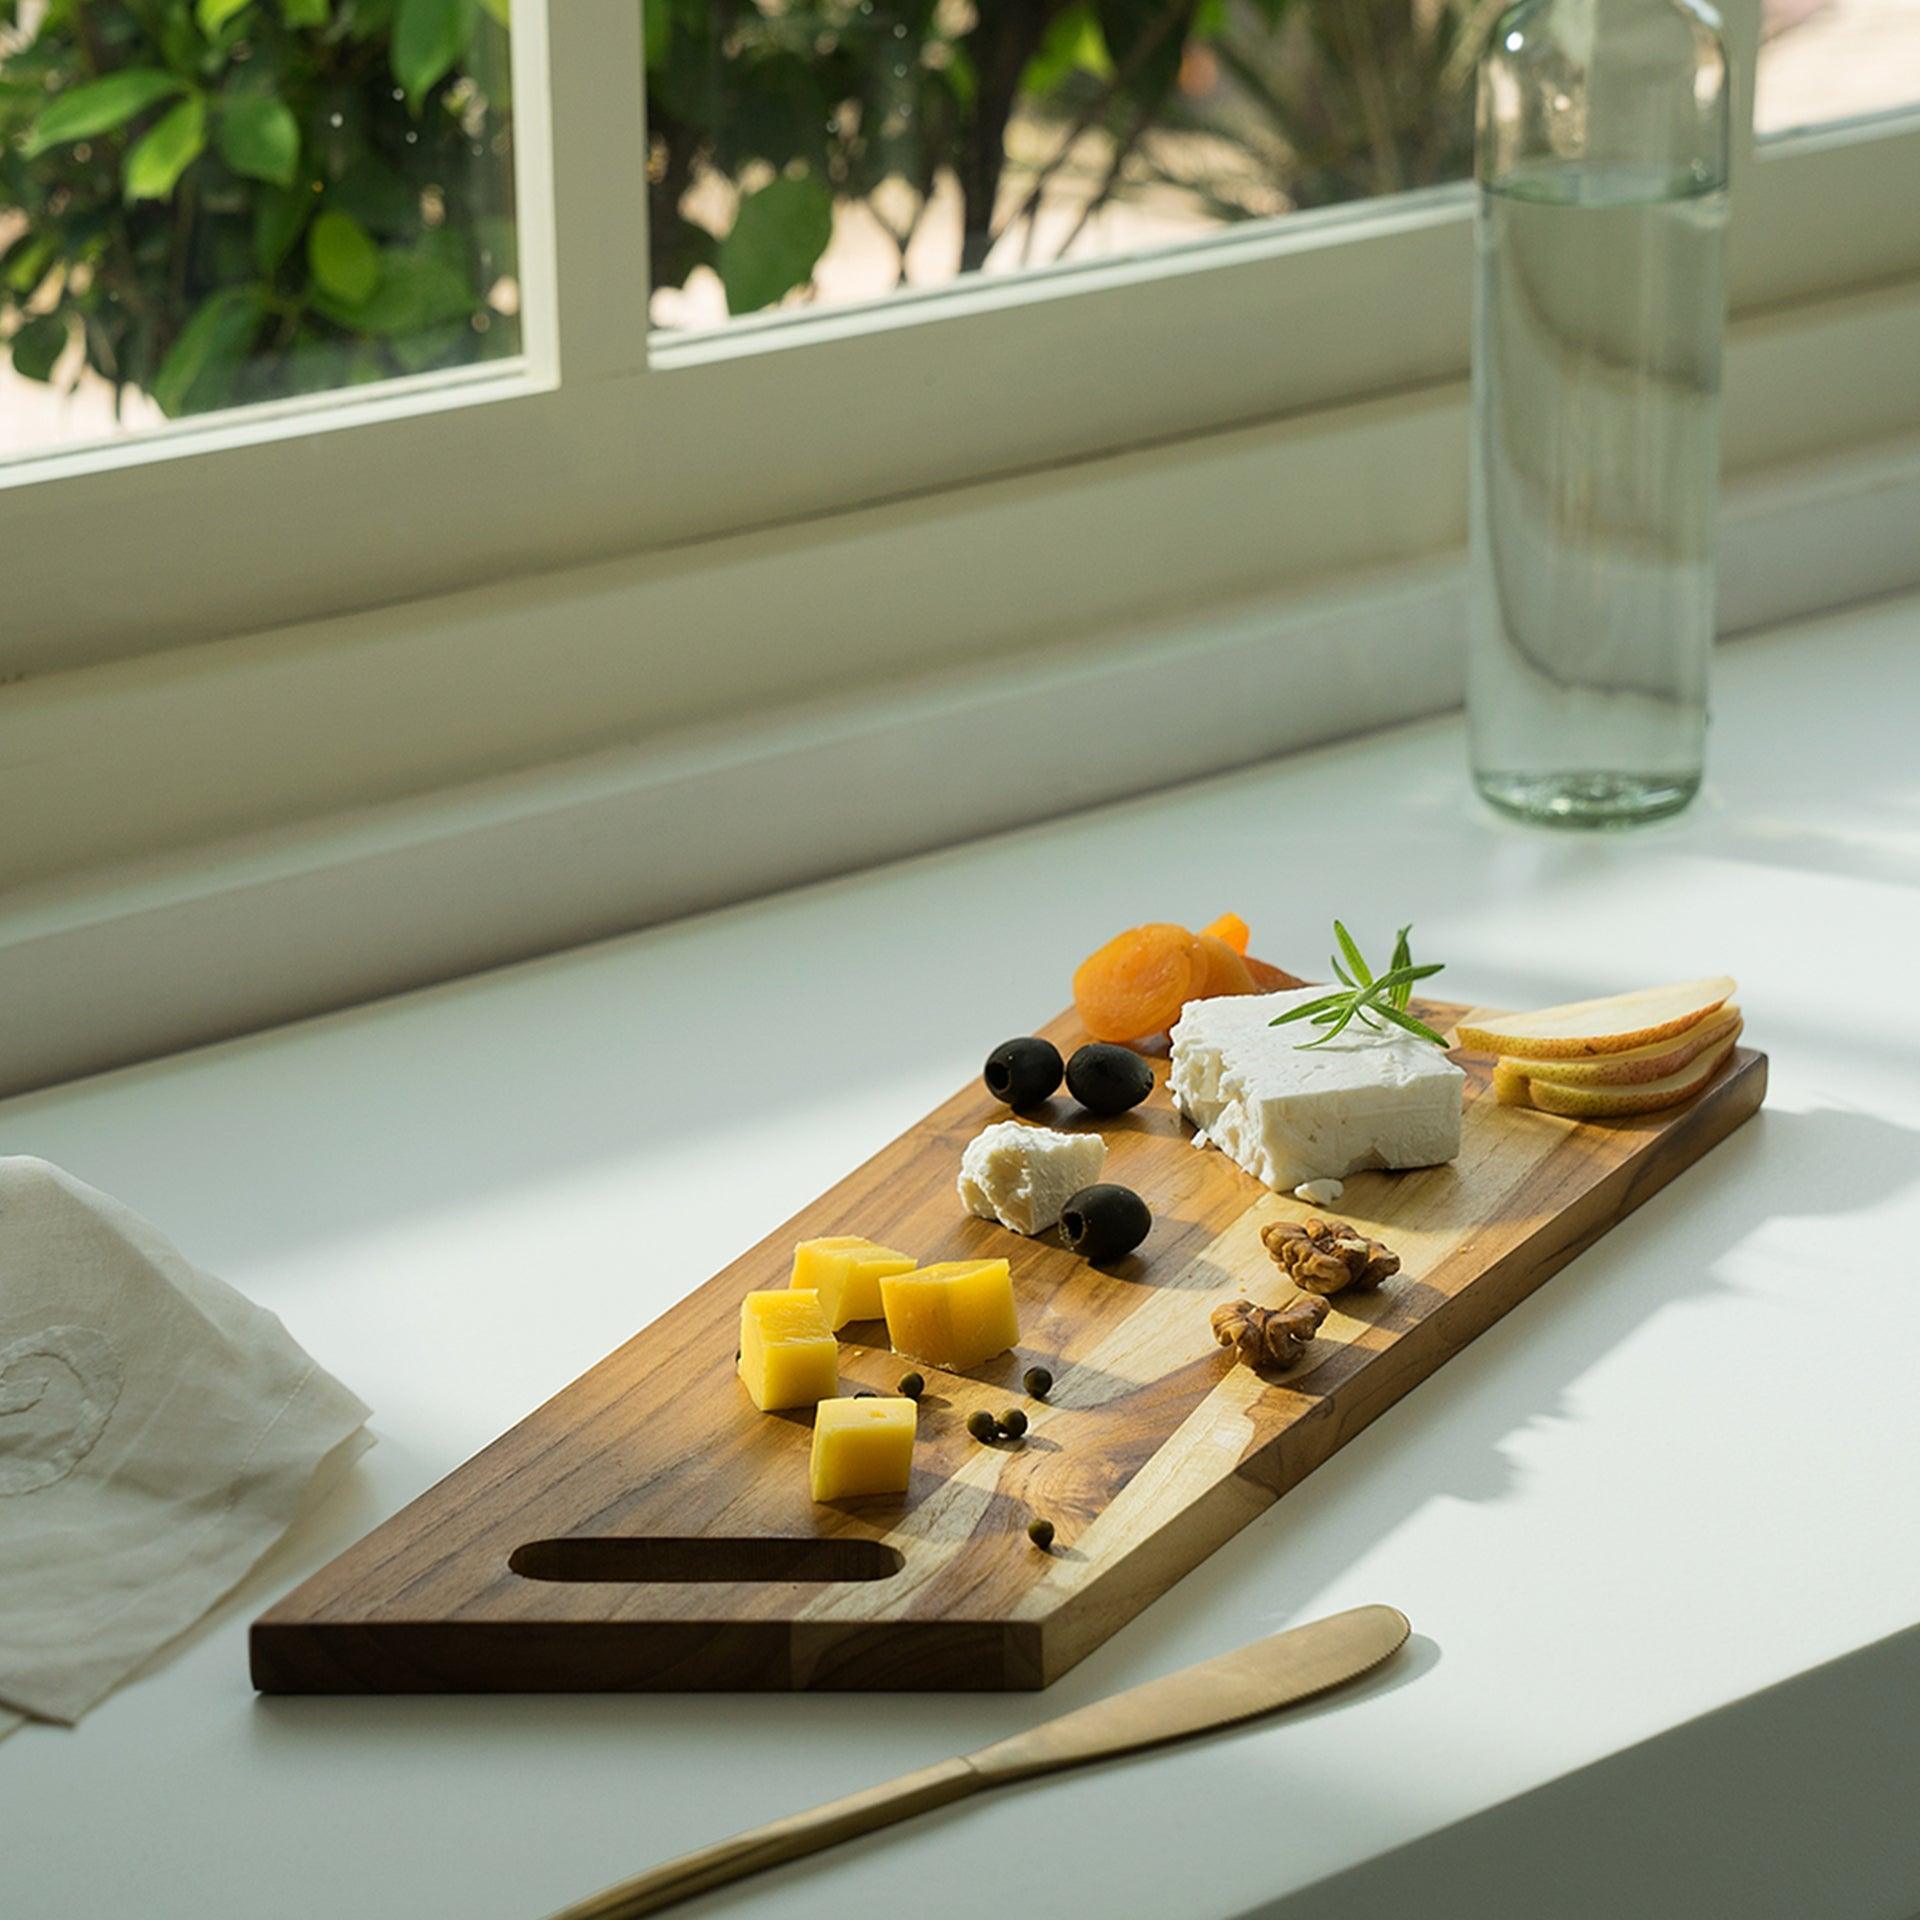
(1261, 1678)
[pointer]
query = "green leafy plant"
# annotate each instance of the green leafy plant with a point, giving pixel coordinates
(871, 101)
(1365, 996)
(232, 200)
(1241, 107)
(1319, 102)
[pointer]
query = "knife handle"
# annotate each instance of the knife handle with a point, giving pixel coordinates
(782, 1840)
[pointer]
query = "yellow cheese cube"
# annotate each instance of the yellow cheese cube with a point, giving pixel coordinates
(846, 1273)
(862, 1446)
(788, 1355)
(952, 1315)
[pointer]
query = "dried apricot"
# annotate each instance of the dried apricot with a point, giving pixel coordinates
(1226, 971)
(1138, 982)
(1233, 930)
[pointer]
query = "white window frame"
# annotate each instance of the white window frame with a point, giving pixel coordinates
(589, 640)
(598, 442)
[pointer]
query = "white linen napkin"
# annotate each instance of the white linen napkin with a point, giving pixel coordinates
(157, 1430)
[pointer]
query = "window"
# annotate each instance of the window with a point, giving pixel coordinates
(211, 203)
(635, 557)
(839, 150)
(1180, 312)
(1835, 60)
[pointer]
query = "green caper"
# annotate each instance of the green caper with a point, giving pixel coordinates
(912, 1385)
(982, 1425)
(1040, 1532)
(1013, 1423)
(1037, 1381)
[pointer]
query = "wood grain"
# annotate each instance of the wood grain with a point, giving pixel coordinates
(647, 1529)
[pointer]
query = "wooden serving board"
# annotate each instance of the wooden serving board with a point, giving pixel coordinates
(646, 1528)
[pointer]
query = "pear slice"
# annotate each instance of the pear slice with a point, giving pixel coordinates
(1514, 1080)
(1583, 1028)
(1511, 1085)
(1652, 1062)
(1649, 1096)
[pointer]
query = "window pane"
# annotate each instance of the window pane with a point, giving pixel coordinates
(830, 150)
(1826, 60)
(208, 203)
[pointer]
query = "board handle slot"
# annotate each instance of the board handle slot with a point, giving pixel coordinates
(705, 1561)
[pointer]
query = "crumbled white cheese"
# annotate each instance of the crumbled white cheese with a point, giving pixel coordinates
(1289, 1114)
(1022, 1176)
(1319, 1193)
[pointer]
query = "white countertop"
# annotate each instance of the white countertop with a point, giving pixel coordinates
(1682, 1472)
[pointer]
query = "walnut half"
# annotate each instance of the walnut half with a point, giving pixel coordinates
(1322, 1256)
(1269, 1336)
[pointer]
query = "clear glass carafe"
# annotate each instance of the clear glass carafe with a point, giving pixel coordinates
(1602, 163)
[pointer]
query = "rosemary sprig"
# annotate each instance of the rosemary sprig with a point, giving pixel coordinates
(1366, 996)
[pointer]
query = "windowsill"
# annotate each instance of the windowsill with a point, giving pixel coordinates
(294, 420)
(461, 1199)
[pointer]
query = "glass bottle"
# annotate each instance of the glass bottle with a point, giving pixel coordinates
(1602, 162)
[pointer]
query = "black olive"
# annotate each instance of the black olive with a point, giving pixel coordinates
(982, 1425)
(1105, 1222)
(1107, 1079)
(1037, 1381)
(1040, 1532)
(912, 1385)
(866, 1393)
(1013, 1423)
(1023, 1072)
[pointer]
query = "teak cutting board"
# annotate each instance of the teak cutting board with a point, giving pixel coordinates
(646, 1528)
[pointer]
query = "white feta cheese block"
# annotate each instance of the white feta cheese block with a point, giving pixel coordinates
(1022, 1176)
(1290, 1114)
